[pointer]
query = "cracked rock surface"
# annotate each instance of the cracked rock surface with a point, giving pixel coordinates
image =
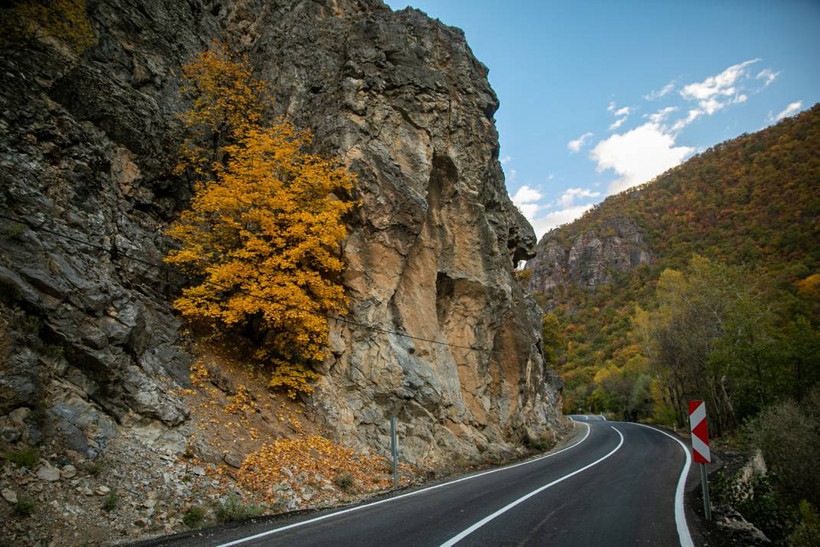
(86, 155)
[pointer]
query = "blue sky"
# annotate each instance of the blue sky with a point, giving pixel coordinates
(598, 96)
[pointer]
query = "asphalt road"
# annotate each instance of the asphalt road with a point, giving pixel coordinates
(618, 484)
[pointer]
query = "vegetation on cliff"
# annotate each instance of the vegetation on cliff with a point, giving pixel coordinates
(65, 20)
(263, 233)
(749, 207)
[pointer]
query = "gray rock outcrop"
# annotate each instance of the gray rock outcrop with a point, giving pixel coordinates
(452, 342)
(590, 258)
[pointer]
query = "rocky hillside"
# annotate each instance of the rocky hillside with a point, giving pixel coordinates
(749, 202)
(95, 362)
(593, 257)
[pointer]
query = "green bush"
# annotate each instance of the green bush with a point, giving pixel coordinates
(762, 507)
(788, 435)
(233, 509)
(194, 517)
(344, 483)
(110, 502)
(807, 531)
(540, 444)
(93, 468)
(23, 509)
(26, 457)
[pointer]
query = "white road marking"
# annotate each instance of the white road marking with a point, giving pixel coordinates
(414, 493)
(680, 516)
(455, 539)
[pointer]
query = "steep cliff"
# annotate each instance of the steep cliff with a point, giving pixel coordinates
(439, 333)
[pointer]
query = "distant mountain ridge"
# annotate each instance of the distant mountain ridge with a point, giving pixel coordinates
(746, 200)
(752, 201)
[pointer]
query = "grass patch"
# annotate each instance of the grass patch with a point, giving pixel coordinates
(15, 231)
(345, 483)
(232, 509)
(32, 324)
(111, 501)
(23, 509)
(93, 468)
(540, 444)
(26, 457)
(194, 517)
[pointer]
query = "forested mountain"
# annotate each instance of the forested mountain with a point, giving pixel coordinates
(741, 220)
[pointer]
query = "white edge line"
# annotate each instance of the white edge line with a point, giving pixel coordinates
(680, 516)
(407, 495)
(455, 539)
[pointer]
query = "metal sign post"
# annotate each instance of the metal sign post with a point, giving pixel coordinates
(700, 448)
(394, 448)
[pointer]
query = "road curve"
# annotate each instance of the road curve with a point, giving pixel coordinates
(616, 486)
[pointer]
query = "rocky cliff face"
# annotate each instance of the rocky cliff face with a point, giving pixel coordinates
(590, 258)
(86, 146)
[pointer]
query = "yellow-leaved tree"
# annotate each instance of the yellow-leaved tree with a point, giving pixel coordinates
(265, 225)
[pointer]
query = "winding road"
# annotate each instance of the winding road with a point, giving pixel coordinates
(615, 484)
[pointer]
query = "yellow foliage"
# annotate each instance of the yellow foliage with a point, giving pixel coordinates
(65, 20)
(228, 101)
(605, 374)
(293, 378)
(523, 276)
(265, 224)
(810, 286)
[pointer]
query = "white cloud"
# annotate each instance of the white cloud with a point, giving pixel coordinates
(722, 84)
(545, 223)
(652, 95)
(577, 144)
(529, 210)
(569, 196)
(716, 92)
(525, 194)
(711, 105)
(512, 175)
(767, 75)
(790, 110)
(505, 160)
(693, 115)
(621, 113)
(639, 155)
(661, 115)
(526, 199)
(617, 123)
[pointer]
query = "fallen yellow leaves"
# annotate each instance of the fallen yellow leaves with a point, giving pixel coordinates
(242, 402)
(199, 374)
(313, 462)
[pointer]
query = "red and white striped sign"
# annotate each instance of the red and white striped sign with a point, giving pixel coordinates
(700, 431)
